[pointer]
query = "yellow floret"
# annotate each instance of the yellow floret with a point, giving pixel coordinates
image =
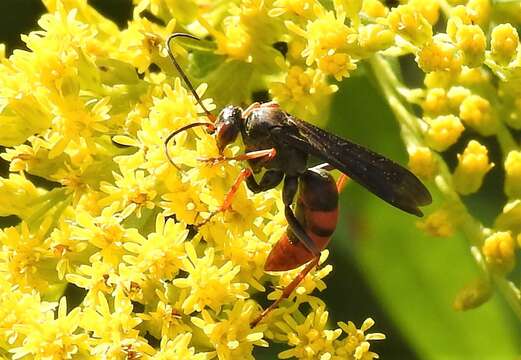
(476, 112)
(472, 167)
(440, 223)
(408, 22)
(439, 55)
(499, 251)
(471, 40)
(422, 162)
(444, 131)
(513, 174)
(504, 43)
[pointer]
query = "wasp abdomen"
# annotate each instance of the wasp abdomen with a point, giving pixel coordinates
(317, 212)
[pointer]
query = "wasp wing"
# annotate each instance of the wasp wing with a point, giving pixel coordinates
(380, 175)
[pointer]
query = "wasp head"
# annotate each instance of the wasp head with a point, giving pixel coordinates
(228, 126)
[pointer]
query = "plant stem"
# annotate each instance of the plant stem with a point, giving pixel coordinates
(473, 230)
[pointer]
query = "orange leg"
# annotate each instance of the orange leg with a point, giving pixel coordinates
(287, 290)
(267, 154)
(244, 174)
(341, 182)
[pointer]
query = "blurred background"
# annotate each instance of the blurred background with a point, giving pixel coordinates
(384, 267)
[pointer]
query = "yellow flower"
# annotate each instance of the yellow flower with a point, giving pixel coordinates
(159, 254)
(310, 340)
(302, 8)
(408, 22)
(208, 284)
(374, 8)
(326, 35)
(113, 328)
(178, 349)
(374, 37)
(133, 191)
(472, 167)
(339, 65)
(513, 174)
(473, 295)
(476, 112)
(439, 55)
(504, 43)
(301, 91)
(422, 162)
(471, 40)
(443, 132)
(23, 257)
(436, 102)
(356, 344)
(53, 338)
(479, 11)
(440, 223)
(232, 337)
(499, 253)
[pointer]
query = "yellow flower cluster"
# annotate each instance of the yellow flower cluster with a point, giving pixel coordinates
(107, 260)
(466, 115)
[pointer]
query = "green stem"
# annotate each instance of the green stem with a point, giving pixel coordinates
(473, 230)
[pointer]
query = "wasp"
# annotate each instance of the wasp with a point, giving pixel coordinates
(280, 144)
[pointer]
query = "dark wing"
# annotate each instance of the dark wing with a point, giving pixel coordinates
(383, 177)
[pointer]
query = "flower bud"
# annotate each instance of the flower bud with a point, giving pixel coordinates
(513, 174)
(443, 132)
(504, 42)
(422, 162)
(499, 251)
(473, 164)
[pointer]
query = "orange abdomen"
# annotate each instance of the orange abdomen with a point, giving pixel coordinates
(317, 212)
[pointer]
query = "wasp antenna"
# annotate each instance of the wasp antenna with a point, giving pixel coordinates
(182, 73)
(210, 126)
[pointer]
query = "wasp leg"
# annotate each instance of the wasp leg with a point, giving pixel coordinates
(341, 182)
(288, 193)
(287, 290)
(267, 154)
(269, 180)
(244, 174)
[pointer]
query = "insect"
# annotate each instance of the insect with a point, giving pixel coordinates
(281, 144)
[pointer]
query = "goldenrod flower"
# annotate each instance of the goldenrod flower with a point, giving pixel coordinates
(440, 223)
(87, 107)
(513, 174)
(499, 251)
(472, 167)
(409, 22)
(443, 132)
(504, 42)
(477, 113)
(439, 55)
(422, 162)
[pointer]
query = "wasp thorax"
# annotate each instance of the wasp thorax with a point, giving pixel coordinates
(227, 125)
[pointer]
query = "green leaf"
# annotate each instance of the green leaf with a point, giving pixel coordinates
(414, 277)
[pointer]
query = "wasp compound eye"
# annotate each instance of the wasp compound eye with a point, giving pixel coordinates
(228, 126)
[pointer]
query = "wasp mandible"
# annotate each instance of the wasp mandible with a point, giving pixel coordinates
(280, 144)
